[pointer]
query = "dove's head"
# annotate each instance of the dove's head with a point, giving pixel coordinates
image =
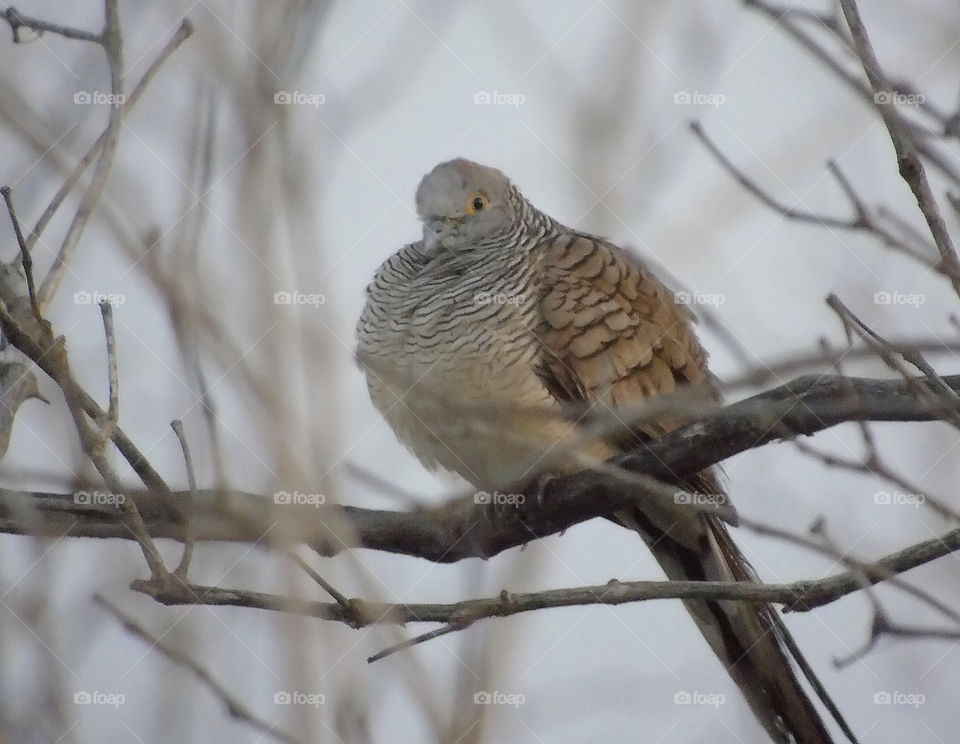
(462, 203)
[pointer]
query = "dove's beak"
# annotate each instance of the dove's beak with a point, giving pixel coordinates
(441, 228)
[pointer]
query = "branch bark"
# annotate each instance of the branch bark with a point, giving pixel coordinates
(462, 529)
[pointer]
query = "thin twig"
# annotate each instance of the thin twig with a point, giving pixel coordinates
(882, 625)
(906, 228)
(49, 355)
(113, 378)
(327, 586)
(53, 360)
(182, 34)
(234, 707)
(862, 220)
(461, 528)
(26, 259)
(111, 41)
(838, 68)
(188, 540)
(778, 370)
(745, 181)
(908, 159)
(798, 596)
(17, 21)
(860, 574)
(937, 389)
(872, 464)
(422, 638)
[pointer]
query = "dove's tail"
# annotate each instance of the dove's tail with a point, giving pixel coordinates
(748, 637)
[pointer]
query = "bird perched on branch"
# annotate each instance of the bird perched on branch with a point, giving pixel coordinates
(495, 344)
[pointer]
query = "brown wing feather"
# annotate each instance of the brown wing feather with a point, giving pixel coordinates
(612, 333)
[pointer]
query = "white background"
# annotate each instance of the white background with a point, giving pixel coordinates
(312, 198)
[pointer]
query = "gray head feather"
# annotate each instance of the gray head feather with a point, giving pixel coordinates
(461, 202)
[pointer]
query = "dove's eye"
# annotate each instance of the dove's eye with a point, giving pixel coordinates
(477, 203)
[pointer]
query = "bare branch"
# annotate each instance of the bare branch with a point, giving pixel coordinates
(798, 596)
(327, 586)
(183, 567)
(234, 707)
(786, 21)
(788, 212)
(410, 642)
(882, 625)
(17, 21)
(908, 159)
(111, 41)
(936, 389)
(53, 360)
(862, 219)
(182, 34)
(26, 259)
(17, 384)
(113, 380)
(462, 529)
(49, 354)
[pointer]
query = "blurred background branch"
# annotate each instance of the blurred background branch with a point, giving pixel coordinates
(273, 160)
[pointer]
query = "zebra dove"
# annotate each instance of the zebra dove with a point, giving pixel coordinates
(480, 340)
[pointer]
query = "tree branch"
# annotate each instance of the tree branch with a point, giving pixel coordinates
(908, 158)
(235, 708)
(462, 529)
(797, 596)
